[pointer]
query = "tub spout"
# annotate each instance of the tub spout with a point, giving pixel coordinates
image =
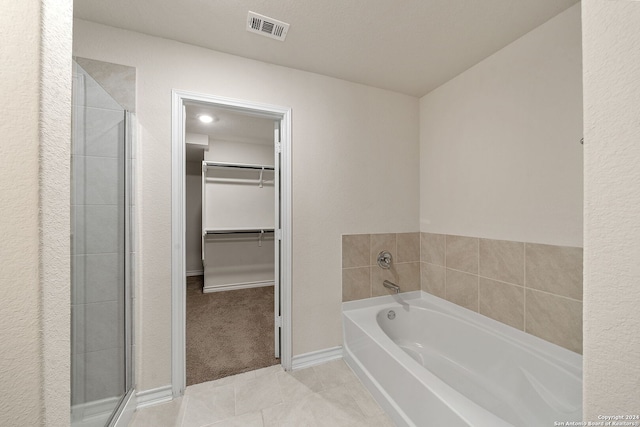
(387, 284)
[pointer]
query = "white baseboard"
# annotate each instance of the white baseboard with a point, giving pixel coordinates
(232, 287)
(155, 396)
(313, 358)
(195, 273)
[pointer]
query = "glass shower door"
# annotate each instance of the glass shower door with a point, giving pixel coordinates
(101, 374)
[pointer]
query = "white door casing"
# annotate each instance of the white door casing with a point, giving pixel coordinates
(282, 240)
(276, 241)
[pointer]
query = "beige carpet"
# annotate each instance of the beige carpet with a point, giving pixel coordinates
(228, 332)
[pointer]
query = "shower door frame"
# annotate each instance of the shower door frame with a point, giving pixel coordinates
(178, 225)
(122, 413)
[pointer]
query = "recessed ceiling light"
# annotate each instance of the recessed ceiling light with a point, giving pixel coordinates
(205, 118)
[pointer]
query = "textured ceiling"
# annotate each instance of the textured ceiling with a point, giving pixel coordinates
(408, 46)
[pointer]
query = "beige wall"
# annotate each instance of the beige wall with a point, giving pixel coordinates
(35, 82)
(500, 156)
(20, 374)
(612, 207)
(355, 169)
(54, 180)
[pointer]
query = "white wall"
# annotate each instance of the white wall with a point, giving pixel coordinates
(239, 259)
(355, 170)
(193, 217)
(222, 151)
(240, 152)
(35, 75)
(500, 155)
(612, 208)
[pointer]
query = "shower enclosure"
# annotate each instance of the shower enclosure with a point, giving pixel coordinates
(101, 253)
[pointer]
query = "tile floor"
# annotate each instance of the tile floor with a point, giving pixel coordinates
(325, 395)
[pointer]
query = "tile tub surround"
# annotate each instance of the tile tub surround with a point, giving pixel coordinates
(325, 395)
(532, 287)
(361, 275)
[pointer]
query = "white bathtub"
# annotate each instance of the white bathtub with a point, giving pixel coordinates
(438, 364)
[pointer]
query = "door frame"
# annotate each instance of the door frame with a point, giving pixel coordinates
(178, 269)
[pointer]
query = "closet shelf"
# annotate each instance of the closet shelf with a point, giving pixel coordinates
(210, 231)
(207, 164)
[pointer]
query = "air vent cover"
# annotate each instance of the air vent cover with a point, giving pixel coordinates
(266, 26)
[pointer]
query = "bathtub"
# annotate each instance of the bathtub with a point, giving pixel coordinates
(429, 362)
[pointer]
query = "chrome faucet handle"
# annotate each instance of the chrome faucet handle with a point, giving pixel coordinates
(384, 260)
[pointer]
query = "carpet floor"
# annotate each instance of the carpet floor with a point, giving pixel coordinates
(228, 332)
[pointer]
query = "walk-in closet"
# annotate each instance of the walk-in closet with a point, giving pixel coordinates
(231, 211)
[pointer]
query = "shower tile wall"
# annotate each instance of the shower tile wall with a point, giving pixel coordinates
(97, 264)
(533, 287)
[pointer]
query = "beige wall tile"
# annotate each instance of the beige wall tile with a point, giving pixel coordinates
(433, 279)
(378, 275)
(408, 247)
(355, 250)
(502, 260)
(555, 269)
(405, 275)
(432, 248)
(462, 253)
(502, 302)
(462, 289)
(356, 283)
(408, 276)
(383, 242)
(554, 319)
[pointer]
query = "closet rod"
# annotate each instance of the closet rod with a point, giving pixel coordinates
(237, 165)
(240, 231)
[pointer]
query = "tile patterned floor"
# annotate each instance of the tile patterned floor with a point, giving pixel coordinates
(325, 395)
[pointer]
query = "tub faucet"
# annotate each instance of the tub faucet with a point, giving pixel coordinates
(395, 288)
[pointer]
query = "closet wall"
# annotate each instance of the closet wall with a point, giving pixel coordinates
(193, 213)
(238, 216)
(230, 207)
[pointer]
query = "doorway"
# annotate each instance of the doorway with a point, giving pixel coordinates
(243, 245)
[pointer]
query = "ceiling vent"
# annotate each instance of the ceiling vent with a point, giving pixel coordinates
(266, 26)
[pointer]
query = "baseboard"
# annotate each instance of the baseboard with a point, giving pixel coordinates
(195, 273)
(313, 358)
(234, 286)
(154, 396)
